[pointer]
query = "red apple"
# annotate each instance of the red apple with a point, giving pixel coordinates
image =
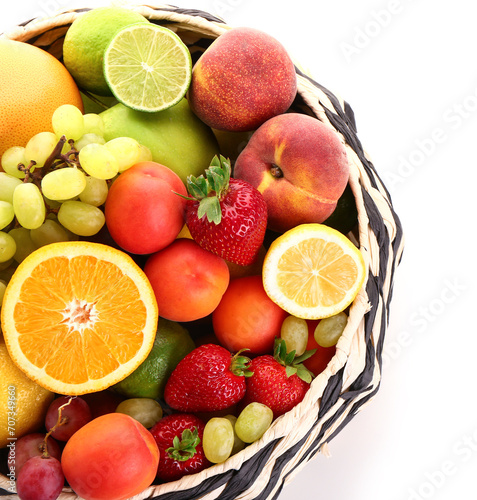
(244, 78)
(300, 166)
(143, 211)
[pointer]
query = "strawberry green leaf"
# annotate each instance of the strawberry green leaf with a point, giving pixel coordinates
(291, 370)
(305, 355)
(293, 365)
(184, 448)
(240, 365)
(211, 207)
(305, 374)
(197, 187)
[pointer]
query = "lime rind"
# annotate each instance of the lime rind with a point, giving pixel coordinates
(148, 67)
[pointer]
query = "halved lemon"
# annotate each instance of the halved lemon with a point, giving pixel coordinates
(313, 271)
(77, 317)
(147, 67)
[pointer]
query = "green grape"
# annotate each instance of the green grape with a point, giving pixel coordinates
(239, 445)
(8, 183)
(49, 232)
(90, 138)
(146, 154)
(63, 184)
(11, 159)
(329, 330)
(7, 269)
(4, 265)
(253, 421)
(68, 120)
(80, 218)
(40, 147)
(145, 410)
(25, 245)
(3, 287)
(8, 247)
(127, 151)
(218, 439)
(95, 192)
(6, 214)
(93, 124)
(294, 332)
(52, 204)
(29, 206)
(98, 161)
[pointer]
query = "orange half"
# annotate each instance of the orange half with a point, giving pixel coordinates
(78, 317)
(313, 271)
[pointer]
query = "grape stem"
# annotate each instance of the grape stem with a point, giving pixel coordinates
(60, 421)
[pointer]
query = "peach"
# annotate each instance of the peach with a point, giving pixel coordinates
(188, 281)
(113, 456)
(299, 165)
(144, 212)
(247, 318)
(244, 78)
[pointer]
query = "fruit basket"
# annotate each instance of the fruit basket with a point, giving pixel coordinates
(352, 378)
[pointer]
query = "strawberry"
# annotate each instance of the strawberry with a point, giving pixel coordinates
(178, 437)
(209, 378)
(226, 216)
(279, 381)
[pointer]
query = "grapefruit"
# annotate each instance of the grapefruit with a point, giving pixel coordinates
(33, 84)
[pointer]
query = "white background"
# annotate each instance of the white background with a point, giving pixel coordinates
(408, 68)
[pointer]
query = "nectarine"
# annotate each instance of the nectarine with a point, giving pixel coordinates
(244, 78)
(143, 211)
(113, 456)
(299, 165)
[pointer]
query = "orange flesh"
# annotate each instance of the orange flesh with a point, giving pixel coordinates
(85, 307)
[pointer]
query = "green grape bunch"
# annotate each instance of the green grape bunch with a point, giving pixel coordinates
(54, 188)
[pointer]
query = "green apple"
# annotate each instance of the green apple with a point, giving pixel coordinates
(176, 137)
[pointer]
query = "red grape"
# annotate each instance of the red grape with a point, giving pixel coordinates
(74, 415)
(31, 445)
(41, 478)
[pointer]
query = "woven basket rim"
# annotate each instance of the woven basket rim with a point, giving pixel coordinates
(325, 106)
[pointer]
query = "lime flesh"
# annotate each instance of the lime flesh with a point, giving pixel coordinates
(148, 67)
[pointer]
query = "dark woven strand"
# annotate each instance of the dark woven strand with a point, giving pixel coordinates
(237, 481)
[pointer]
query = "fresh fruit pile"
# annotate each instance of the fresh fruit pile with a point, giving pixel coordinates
(162, 301)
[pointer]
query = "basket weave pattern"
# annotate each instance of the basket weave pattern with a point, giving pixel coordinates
(353, 376)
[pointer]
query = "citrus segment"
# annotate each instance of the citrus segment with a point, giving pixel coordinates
(86, 40)
(148, 67)
(313, 271)
(33, 83)
(78, 317)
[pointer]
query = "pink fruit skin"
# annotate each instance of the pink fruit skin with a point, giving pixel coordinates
(313, 169)
(111, 457)
(244, 78)
(143, 211)
(40, 478)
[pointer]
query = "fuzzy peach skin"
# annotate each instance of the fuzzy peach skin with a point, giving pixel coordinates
(299, 165)
(244, 78)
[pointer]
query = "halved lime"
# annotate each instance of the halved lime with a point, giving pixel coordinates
(147, 67)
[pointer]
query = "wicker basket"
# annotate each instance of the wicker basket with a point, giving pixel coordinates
(352, 378)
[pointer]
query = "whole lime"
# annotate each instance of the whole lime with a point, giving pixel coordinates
(86, 41)
(172, 343)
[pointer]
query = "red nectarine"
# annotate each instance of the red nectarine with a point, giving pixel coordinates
(244, 78)
(299, 165)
